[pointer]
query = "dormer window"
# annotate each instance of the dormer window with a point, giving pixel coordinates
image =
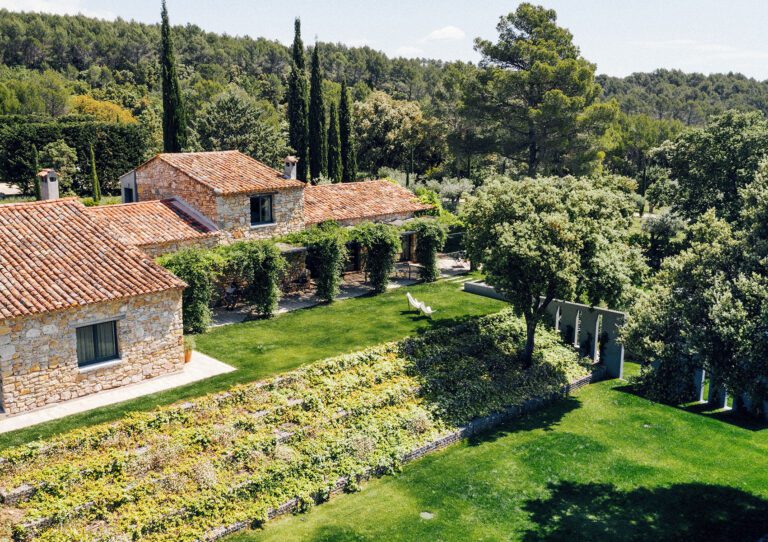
(261, 210)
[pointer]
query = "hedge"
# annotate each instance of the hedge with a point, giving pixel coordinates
(176, 473)
(118, 148)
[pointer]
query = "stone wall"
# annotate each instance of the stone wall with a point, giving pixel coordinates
(158, 180)
(158, 249)
(378, 218)
(234, 215)
(38, 354)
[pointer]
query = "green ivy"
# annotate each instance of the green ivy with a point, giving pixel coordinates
(198, 268)
(259, 265)
(328, 254)
(380, 244)
(430, 238)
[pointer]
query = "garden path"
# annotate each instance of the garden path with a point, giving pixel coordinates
(200, 367)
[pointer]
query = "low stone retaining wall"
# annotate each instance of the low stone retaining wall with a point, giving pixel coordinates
(474, 427)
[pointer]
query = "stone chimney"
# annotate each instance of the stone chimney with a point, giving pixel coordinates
(290, 167)
(49, 184)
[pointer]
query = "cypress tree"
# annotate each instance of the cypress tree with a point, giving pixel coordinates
(335, 167)
(95, 178)
(36, 179)
(174, 117)
(298, 105)
(348, 153)
(318, 144)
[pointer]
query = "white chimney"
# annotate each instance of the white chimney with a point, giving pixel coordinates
(49, 184)
(290, 167)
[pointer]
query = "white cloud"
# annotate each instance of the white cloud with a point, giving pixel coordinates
(718, 51)
(408, 51)
(446, 33)
(358, 42)
(59, 7)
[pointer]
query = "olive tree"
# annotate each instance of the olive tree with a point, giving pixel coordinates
(707, 308)
(552, 238)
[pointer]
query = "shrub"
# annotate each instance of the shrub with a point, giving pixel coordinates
(380, 244)
(258, 264)
(328, 253)
(430, 197)
(198, 268)
(430, 238)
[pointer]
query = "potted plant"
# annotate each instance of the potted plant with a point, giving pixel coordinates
(189, 345)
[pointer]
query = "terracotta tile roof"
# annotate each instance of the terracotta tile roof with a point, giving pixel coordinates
(151, 222)
(228, 172)
(354, 201)
(54, 255)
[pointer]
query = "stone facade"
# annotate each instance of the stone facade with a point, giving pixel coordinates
(38, 354)
(158, 249)
(159, 180)
(231, 213)
(234, 215)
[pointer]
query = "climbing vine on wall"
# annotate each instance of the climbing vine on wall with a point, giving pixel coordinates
(430, 238)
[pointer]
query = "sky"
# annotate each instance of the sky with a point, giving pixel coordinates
(620, 36)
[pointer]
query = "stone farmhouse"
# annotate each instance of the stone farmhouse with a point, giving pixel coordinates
(83, 305)
(208, 198)
(80, 311)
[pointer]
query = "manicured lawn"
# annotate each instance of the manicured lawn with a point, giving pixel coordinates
(602, 465)
(262, 348)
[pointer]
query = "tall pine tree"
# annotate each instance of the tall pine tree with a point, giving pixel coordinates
(318, 144)
(95, 178)
(348, 153)
(36, 178)
(174, 117)
(335, 167)
(298, 105)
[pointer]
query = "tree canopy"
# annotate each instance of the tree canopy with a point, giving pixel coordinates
(710, 165)
(552, 238)
(537, 95)
(174, 115)
(298, 105)
(318, 135)
(236, 121)
(707, 308)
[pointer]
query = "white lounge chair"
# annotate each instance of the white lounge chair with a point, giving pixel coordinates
(412, 303)
(426, 310)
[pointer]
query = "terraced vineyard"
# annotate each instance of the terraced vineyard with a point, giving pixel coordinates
(180, 472)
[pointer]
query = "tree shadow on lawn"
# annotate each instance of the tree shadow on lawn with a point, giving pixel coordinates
(728, 416)
(471, 371)
(546, 419)
(692, 512)
(436, 323)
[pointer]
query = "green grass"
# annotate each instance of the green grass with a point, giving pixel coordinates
(604, 464)
(263, 348)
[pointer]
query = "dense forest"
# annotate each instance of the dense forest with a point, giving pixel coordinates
(71, 82)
